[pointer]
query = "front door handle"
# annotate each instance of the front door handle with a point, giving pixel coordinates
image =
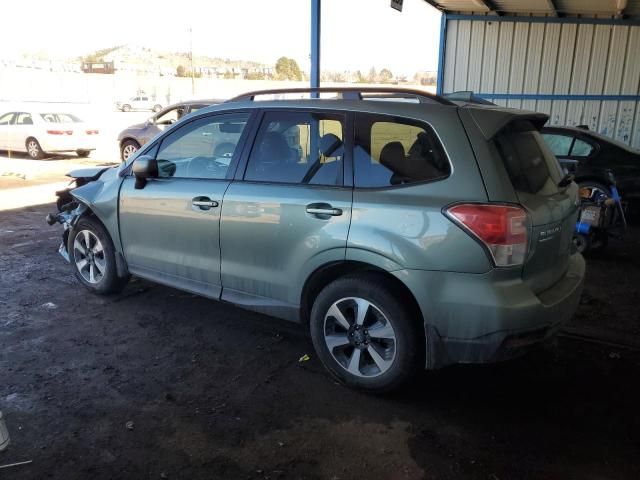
(204, 203)
(323, 210)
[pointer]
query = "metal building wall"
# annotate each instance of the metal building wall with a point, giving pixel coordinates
(578, 73)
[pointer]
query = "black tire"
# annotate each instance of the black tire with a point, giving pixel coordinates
(83, 153)
(157, 108)
(126, 147)
(409, 335)
(108, 281)
(34, 150)
(126, 107)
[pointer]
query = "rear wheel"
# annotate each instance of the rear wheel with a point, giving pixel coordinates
(365, 335)
(128, 148)
(83, 153)
(33, 149)
(92, 257)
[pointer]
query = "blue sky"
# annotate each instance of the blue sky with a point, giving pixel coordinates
(357, 34)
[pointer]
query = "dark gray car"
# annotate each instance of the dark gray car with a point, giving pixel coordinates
(403, 235)
(135, 136)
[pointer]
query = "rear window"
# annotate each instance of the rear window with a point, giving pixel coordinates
(59, 118)
(531, 166)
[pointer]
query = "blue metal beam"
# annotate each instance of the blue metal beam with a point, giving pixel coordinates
(580, 20)
(441, 51)
(315, 43)
(556, 96)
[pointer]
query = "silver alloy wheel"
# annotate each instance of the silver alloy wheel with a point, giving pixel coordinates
(88, 254)
(128, 150)
(360, 337)
(33, 149)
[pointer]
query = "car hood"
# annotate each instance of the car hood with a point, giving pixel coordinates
(91, 173)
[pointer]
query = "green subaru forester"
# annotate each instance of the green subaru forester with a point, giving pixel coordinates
(406, 231)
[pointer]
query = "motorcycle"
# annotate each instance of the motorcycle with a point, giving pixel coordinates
(602, 215)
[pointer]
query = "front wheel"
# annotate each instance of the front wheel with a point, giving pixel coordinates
(157, 108)
(83, 153)
(126, 108)
(128, 148)
(92, 257)
(34, 150)
(365, 334)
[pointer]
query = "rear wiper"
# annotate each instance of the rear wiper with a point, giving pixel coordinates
(566, 180)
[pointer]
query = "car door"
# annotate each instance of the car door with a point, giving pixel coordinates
(21, 130)
(170, 228)
(5, 131)
(288, 214)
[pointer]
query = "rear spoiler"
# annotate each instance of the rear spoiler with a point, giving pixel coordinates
(490, 120)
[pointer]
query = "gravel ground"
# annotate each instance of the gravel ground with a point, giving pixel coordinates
(156, 383)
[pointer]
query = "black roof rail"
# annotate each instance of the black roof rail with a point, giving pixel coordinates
(352, 93)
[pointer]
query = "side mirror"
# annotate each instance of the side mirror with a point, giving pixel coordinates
(144, 167)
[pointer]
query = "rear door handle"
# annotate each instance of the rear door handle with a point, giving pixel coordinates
(204, 203)
(323, 209)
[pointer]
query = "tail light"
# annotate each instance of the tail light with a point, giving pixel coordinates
(92, 132)
(60, 132)
(502, 229)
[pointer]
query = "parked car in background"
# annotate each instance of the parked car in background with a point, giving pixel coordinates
(404, 235)
(141, 102)
(590, 155)
(135, 136)
(40, 132)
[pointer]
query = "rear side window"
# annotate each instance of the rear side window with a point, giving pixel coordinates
(391, 151)
(531, 166)
(581, 149)
(559, 144)
(298, 147)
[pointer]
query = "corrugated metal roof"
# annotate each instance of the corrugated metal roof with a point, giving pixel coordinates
(588, 8)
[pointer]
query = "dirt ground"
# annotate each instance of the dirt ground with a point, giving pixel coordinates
(212, 391)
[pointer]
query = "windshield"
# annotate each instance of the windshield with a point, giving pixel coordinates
(60, 118)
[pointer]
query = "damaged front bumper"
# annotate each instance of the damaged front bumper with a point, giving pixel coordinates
(67, 217)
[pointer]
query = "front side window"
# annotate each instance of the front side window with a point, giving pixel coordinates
(300, 147)
(169, 117)
(559, 144)
(6, 118)
(203, 148)
(581, 148)
(395, 151)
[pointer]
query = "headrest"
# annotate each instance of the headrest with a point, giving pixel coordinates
(329, 143)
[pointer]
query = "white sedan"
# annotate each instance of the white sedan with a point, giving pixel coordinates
(38, 133)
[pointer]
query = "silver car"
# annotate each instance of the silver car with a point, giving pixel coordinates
(403, 234)
(132, 138)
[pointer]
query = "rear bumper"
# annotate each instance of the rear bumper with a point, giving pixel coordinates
(67, 144)
(472, 318)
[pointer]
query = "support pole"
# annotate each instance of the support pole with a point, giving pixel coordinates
(315, 44)
(441, 53)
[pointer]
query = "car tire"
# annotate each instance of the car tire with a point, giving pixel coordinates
(83, 153)
(128, 148)
(34, 150)
(387, 334)
(126, 108)
(157, 108)
(92, 257)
